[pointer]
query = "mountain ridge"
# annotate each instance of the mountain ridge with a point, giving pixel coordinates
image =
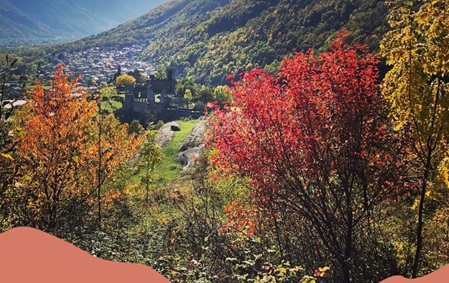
(25, 20)
(209, 39)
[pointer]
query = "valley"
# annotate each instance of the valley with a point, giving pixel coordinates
(231, 141)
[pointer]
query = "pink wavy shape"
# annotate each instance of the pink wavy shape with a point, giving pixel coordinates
(30, 255)
(439, 276)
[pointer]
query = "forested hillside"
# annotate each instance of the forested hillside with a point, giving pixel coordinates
(317, 168)
(208, 39)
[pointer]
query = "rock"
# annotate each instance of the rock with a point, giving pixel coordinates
(188, 157)
(164, 135)
(195, 138)
(192, 147)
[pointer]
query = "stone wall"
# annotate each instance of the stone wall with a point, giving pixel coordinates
(140, 106)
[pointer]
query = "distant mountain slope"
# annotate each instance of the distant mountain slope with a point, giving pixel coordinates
(49, 19)
(209, 39)
(16, 23)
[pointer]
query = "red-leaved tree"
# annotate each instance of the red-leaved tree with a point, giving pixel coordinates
(314, 143)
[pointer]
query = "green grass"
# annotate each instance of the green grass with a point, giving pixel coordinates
(170, 170)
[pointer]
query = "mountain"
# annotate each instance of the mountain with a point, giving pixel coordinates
(209, 39)
(30, 20)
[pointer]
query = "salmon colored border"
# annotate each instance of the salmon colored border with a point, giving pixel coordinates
(439, 276)
(31, 256)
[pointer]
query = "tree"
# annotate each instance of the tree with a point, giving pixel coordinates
(125, 80)
(111, 148)
(109, 98)
(221, 94)
(150, 156)
(314, 144)
(55, 128)
(186, 84)
(110, 135)
(135, 128)
(417, 48)
(188, 95)
(62, 156)
(205, 94)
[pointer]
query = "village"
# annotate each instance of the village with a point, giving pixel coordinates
(97, 65)
(94, 65)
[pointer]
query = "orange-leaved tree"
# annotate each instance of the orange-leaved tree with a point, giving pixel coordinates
(111, 148)
(315, 145)
(58, 155)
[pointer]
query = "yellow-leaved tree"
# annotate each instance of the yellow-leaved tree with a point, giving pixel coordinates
(417, 49)
(125, 80)
(151, 155)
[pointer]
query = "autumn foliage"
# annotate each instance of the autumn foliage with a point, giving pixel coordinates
(60, 149)
(125, 80)
(314, 143)
(322, 169)
(416, 88)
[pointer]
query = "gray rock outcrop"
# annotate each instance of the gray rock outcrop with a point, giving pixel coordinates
(164, 135)
(192, 147)
(188, 157)
(195, 138)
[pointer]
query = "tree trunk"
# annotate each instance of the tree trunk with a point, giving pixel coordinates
(420, 219)
(348, 251)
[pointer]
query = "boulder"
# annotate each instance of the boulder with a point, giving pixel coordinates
(164, 135)
(188, 157)
(195, 138)
(192, 146)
